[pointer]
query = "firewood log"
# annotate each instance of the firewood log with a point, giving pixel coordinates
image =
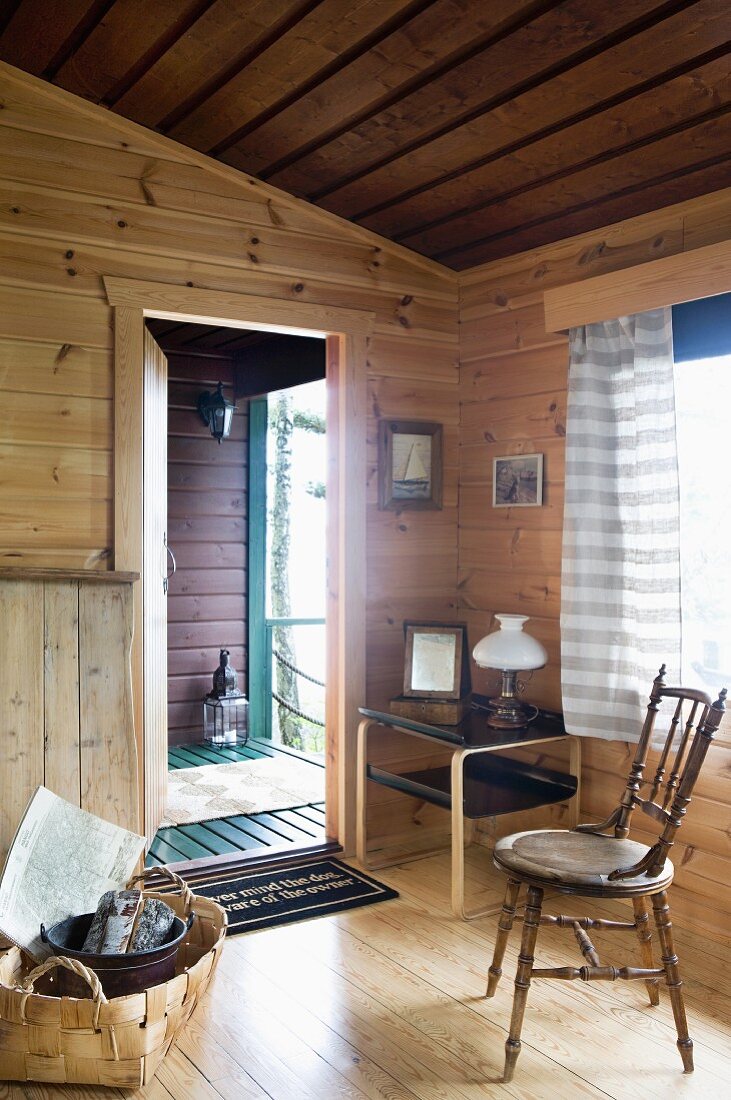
(153, 923)
(120, 921)
(95, 935)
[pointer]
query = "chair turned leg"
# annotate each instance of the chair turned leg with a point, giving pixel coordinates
(522, 977)
(644, 935)
(672, 975)
(505, 924)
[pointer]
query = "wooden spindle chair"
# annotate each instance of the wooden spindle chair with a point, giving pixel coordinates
(591, 861)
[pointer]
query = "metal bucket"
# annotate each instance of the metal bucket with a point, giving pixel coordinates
(119, 974)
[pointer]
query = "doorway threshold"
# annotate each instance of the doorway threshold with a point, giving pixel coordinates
(233, 864)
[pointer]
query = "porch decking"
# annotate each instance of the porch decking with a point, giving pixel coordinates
(296, 826)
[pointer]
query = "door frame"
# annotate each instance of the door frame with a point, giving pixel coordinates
(346, 332)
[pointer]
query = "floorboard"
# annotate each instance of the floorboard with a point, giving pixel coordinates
(386, 1003)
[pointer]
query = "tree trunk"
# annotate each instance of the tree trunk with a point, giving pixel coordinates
(286, 680)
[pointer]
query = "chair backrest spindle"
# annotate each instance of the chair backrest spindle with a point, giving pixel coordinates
(660, 773)
(674, 778)
(688, 759)
(689, 756)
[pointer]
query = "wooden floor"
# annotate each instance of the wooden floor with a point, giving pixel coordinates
(387, 1002)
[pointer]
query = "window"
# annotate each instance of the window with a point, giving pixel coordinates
(702, 340)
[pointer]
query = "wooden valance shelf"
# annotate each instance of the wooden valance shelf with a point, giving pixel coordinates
(683, 277)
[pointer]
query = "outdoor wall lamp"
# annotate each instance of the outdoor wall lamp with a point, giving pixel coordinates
(216, 412)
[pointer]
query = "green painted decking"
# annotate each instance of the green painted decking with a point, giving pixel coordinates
(296, 826)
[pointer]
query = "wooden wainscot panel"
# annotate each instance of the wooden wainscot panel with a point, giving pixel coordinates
(21, 701)
(108, 756)
(61, 680)
(65, 693)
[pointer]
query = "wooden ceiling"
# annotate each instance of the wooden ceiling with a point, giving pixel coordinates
(464, 129)
(209, 341)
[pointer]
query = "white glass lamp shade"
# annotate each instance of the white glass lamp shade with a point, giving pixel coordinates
(510, 647)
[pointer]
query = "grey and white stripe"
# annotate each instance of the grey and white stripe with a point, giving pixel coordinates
(620, 585)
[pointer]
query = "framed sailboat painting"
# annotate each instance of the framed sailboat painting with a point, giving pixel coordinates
(409, 464)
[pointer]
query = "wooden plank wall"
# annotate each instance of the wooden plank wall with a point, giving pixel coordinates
(513, 400)
(85, 194)
(66, 697)
(207, 532)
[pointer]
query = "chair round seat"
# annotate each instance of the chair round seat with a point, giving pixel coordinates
(579, 863)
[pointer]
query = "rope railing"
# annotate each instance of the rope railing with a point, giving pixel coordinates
(293, 668)
(293, 710)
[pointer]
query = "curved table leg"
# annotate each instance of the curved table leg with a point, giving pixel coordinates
(458, 841)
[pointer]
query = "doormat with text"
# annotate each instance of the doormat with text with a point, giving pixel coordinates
(266, 898)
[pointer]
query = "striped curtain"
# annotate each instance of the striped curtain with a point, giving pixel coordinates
(620, 586)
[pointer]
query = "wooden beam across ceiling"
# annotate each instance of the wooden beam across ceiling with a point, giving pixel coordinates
(463, 130)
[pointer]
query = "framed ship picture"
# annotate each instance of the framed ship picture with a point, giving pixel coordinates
(409, 464)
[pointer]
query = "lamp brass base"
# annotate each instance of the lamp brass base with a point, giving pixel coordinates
(508, 714)
(505, 711)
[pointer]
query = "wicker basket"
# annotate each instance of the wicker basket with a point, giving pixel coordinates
(121, 1042)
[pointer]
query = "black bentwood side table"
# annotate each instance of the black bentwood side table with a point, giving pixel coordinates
(475, 785)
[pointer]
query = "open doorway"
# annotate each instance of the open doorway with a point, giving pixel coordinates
(347, 333)
(245, 575)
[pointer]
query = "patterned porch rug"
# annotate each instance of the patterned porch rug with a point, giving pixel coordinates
(248, 787)
(266, 898)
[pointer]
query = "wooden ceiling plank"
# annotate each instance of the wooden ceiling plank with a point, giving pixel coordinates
(163, 330)
(7, 13)
(676, 187)
(240, 340)
(339, 64)
(117, 43)
(546, 48)
(679, 104)
(173, 32)
(690, 38)
(192, 337)
(39, 31)
(225, 39)
(426, 47)
(202, 336)
(699, 142)
(331, 28)
(458, 187)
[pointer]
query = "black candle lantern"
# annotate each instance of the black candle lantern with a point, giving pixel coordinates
(225, 708)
